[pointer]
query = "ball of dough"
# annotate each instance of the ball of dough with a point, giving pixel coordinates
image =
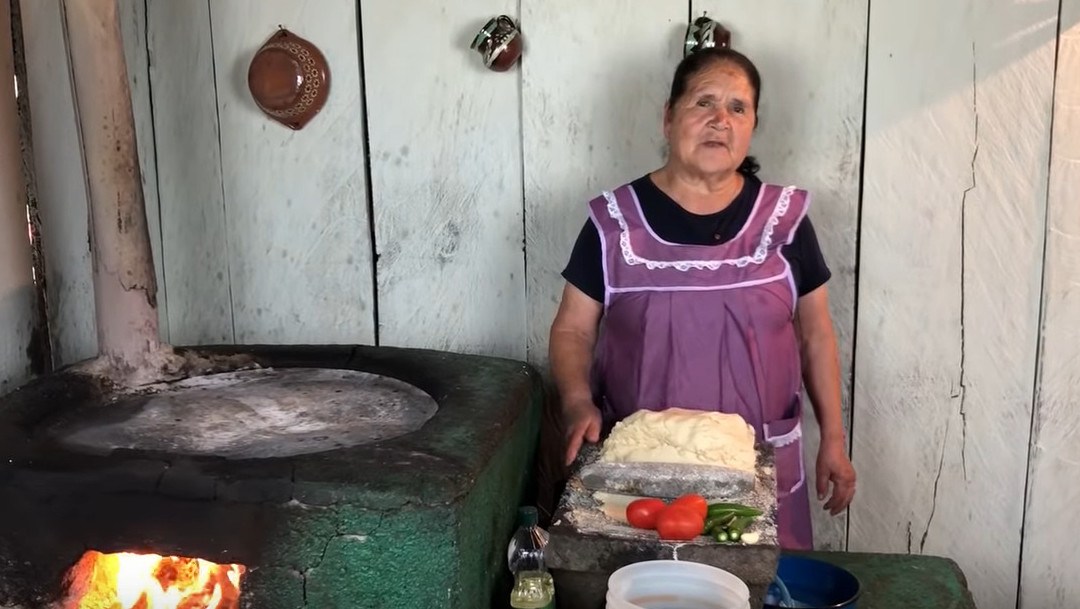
(682, 436)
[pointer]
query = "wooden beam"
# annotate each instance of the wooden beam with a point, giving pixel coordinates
(446, 178)
(296, 229)
(17, 298)
(60, 185)
(196, 270)
(1051, 556)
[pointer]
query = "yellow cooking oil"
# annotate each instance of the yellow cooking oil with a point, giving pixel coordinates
(533, 590)
(533, 586)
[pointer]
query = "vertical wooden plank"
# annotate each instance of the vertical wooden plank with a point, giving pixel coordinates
(1051, 558)
(810, 134)
(446, 179)
(16, 281)
(592, 108)
(958, 113)
(295, 206)
(133, 30)
(61, 184)
(185, 124)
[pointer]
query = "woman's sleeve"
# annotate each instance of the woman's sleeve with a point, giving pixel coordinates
(807, 261)
(585, 269)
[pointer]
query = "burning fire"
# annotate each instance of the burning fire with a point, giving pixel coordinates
(149, 581)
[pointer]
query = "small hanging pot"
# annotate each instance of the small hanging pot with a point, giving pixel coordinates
(704, 33)
(499, 43)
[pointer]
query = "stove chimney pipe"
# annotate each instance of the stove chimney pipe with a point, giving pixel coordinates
(125, 288)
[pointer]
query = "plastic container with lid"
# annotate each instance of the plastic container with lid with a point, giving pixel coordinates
(675, 584)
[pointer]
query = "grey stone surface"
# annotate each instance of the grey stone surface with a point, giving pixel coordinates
(668, 480)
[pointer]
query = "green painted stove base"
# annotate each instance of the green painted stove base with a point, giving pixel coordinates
(450, 556)
(417, 521)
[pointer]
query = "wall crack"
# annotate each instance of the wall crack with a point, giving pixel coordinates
(961, 394)
(937, 480)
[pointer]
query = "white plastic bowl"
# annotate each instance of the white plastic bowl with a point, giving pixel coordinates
(675, 584)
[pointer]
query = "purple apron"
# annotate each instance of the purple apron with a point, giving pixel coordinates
(708, 327)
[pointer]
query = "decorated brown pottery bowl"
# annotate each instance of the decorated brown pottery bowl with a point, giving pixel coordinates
(289, 79)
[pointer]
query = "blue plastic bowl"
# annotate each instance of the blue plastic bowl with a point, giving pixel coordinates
(813, 584)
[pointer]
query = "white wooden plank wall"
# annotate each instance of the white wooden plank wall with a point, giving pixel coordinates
(958, 112)
(185, 135)
(810, 134)
(1051, 555)
(184, 115)
(592, 108)
(265, 236)
(61, 184)
(295, 204)
(16, 282)
(446, 179)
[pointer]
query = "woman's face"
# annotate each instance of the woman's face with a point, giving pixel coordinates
(710, 126)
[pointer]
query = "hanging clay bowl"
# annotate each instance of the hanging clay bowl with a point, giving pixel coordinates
(289, 79)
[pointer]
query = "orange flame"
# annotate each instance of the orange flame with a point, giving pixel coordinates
(149, 581)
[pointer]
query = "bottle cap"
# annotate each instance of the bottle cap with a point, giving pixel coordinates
(527, 516)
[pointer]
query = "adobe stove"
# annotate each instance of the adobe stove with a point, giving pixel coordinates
(244, 477)
(328, 476)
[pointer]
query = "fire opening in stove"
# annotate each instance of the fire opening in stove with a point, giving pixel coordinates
(147, 581)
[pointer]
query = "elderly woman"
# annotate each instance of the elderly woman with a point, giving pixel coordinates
(699, 286)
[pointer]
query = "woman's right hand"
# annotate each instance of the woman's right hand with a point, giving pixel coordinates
(582, 421)
(571, 344)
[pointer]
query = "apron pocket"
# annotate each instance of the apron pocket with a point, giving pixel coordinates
(785, 436)
(788, 458)
(784, 432)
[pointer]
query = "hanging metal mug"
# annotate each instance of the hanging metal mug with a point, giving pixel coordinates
(499, 43)
(704, 33)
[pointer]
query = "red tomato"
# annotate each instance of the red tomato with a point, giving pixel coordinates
(695, 503)
(642, 513)
(679, 523)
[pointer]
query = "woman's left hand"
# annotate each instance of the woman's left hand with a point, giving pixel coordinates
(834, 466)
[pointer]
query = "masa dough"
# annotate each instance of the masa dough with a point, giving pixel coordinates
(678, 435)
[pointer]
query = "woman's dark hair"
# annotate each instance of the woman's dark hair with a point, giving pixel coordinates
(698, 61)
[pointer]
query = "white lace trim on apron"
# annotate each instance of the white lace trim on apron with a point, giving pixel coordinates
(758, 257)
